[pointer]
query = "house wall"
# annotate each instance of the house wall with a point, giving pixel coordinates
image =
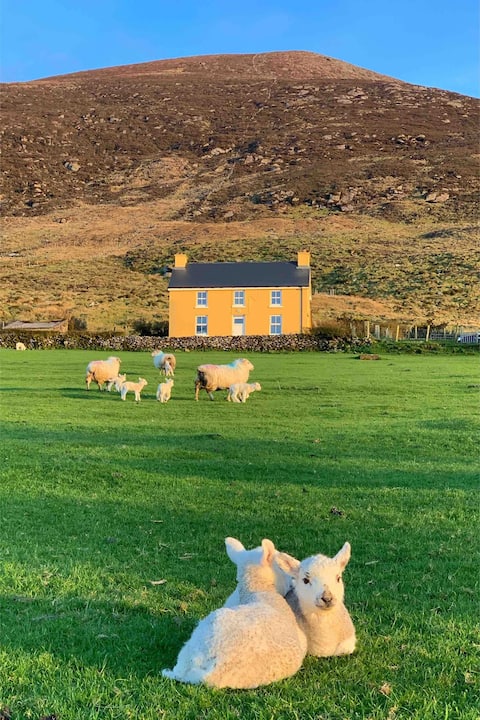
(295, 311)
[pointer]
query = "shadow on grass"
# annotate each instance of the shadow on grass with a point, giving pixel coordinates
(125, 640)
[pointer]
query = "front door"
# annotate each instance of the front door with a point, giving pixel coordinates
(238, 325)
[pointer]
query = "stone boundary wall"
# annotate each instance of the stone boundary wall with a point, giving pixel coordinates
(244, 343)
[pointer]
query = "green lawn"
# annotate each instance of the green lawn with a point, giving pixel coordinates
(100, 499)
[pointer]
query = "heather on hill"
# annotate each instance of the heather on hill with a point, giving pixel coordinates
(108, 172)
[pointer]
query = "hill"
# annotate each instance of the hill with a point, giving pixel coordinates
(107, 173)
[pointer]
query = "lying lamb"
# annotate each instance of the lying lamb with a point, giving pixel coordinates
(20, 346)
(252, 644)
(220, 377)
(134, 387)
(239, 392)
(101, 371)
(165, 362)
(164, 390)
(315, 592)
(116, 382)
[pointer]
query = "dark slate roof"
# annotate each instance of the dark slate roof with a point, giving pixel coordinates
(240, 275)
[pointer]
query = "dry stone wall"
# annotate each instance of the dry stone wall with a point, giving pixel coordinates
(251, 343)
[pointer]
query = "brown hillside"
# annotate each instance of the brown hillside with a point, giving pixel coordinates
(236, 156)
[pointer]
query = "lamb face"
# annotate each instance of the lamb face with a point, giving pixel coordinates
(319, 583)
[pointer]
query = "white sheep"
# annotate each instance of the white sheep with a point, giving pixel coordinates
(239, 392)
(133, 387)
(252, 644)
(220, 377)
(101, 371)
(117, 382)
(165, 362)
(315, 592)
(283, 580)
(20, 346)
(164, 390)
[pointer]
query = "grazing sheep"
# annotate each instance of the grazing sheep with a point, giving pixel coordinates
(164, 390)
(314, 590)
(117, 382)
(317, 601)
(252, 644)
(239, 392)
(101, 371)
(134, 387)
(20, 346)
(220, 377)
(165, 362)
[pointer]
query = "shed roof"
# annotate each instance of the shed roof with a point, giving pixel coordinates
(23, 325)
(240, 275)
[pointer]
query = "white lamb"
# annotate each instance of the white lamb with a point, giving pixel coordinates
(101, 371)
(20, 346)
(315, 592)
(220, 377)
(165, 362)
(116, 382)
(164, 390)
(239, 392)
(317, 601)
(252, 644)
(133, 387)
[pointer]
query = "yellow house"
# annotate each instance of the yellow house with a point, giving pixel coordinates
(240, 298)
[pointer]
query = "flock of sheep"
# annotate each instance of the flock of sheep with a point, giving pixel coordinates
(232, 377)
(280, 611)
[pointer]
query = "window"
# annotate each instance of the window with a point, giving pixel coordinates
(276, 297)
(201, 325)
(239, 297)
(275, 325)
(202, 298)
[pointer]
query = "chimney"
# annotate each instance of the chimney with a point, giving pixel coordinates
(303, 258)
(180, 260)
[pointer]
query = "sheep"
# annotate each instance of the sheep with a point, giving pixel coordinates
(20, 346)
(165, 362)
(239, 392)
(255, 643)
(117, 382)
(134, 387)
(315, 592)
(317, 599)
(164, 390)
(101, 371)
(283, 580)
(220, 377)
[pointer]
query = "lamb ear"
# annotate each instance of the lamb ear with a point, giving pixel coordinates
(268, 551)
(343, 555)
(233, 547)
(287, 563)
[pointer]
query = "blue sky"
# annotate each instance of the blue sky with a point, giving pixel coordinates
(426, 43)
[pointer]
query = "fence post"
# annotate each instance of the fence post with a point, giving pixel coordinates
(397, 333)
(428, 333)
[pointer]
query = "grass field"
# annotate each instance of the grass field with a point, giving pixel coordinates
(114, 514)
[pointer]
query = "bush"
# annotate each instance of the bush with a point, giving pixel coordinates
(332, 329)
(151, 329)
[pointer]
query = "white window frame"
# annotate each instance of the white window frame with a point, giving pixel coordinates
(275, 322)
(236, 302)
(276, 299)
(201, 321)
(201, 296)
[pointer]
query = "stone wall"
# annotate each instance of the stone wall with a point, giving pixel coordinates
(250, 343)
